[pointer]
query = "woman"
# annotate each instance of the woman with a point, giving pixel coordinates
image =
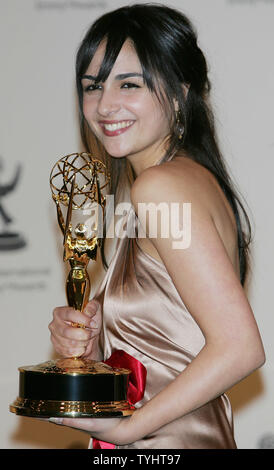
(143, 90)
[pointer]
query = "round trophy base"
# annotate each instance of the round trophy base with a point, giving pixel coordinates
(70, 409)
(73, 388)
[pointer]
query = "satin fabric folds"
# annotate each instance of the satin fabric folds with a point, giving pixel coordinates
(144, 315)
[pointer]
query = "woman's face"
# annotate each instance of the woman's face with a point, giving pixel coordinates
(125, 116)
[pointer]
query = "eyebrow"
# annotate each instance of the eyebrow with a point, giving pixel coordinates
(121, 76)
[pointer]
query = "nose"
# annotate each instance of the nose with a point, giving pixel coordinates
(109, 103)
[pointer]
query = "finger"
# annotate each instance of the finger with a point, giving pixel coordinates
(68, 350)
(64, 329)
(92, 307)
(68, 314)
(82, 424)
(69, 342)
(93, 310)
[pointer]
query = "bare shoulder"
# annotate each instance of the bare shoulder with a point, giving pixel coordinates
(180, 179)
(184, 180)
(169, 173)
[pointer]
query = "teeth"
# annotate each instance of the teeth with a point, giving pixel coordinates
(119, 125)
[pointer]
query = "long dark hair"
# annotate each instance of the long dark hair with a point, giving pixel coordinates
(166, 44)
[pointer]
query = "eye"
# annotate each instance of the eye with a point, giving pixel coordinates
(91, 87)
(129, 85)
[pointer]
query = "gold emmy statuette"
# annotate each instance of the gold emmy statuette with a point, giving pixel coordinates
(76, 387)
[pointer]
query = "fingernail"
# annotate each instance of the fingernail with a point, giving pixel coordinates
(56, 420)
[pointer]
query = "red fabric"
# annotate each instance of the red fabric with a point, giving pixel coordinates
(136, 388)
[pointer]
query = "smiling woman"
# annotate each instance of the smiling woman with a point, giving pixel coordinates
(122, 106)
(183, 313)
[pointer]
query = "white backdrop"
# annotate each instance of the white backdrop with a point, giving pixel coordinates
(38, 42)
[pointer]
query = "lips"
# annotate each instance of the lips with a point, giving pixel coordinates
(113, 128)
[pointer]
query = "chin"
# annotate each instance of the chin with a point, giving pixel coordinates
(117, 153)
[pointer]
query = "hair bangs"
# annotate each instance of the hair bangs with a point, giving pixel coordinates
(114, 44)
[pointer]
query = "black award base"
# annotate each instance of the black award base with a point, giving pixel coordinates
(73, 388)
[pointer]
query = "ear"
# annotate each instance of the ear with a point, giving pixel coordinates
(185, 88)
(176, 105)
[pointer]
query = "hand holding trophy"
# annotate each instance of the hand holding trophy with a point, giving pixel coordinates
(76, 387)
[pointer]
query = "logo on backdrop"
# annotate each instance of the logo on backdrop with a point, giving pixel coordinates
(9, 239)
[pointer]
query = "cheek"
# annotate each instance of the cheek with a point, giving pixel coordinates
(151, 110)
(159, 120)
(89, 107)
(146, 111)
(134, 105)
(88, 112)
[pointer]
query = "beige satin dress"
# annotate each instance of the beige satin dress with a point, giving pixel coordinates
(144, 315)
